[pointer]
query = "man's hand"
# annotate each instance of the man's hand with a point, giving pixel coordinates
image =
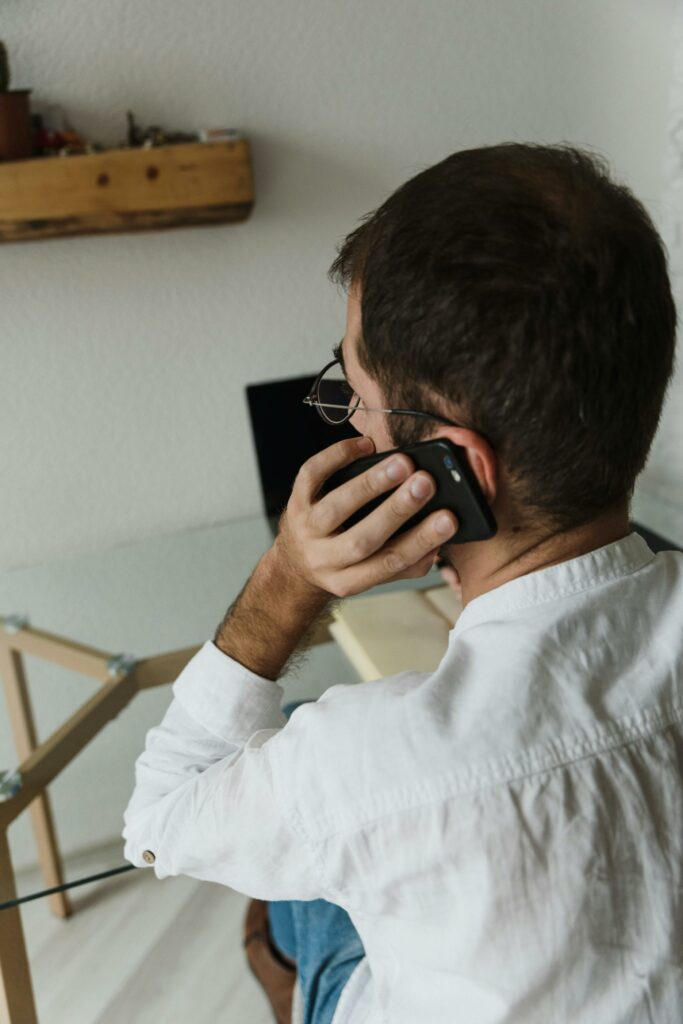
(312, 560)
(342, 563)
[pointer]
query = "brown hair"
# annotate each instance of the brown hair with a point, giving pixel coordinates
(521, 286)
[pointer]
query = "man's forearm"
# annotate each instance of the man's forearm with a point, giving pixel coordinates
(267, 621)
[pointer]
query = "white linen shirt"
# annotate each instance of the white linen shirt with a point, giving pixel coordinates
(505, 832)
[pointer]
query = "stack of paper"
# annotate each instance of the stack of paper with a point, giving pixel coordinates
(390, 633)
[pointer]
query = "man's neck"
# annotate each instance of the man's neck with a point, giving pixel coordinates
(485, 565)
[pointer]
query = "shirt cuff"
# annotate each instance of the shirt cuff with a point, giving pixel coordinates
(226, 698)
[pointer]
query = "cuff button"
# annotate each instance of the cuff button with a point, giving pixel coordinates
(148, 856)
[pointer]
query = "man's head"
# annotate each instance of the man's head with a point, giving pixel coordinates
(520, 291)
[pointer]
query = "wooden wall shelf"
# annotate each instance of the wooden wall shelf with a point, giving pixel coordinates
(126, 190)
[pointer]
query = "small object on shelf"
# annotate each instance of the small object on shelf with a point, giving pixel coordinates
(219, 135)
(17, 135)
(155, 135)
(56, 137)
(134, 134)
(126, 190)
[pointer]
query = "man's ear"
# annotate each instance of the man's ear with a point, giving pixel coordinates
(480, 455)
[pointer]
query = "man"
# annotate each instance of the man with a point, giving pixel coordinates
(501, 839)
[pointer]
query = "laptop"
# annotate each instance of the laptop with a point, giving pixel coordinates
(286, 433)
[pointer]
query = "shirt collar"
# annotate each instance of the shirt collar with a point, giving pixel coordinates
(620, 558)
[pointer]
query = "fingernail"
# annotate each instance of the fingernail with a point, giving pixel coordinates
(394, 469)
(420, 487)
(444, 525)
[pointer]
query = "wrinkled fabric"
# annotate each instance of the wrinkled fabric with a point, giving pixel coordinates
(506, 833)
(320, 938)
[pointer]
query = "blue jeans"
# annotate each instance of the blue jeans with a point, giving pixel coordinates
(322, 939)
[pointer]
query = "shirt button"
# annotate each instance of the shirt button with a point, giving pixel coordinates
(148, 856)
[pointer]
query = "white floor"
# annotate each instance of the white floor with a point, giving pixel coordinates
(140, 951)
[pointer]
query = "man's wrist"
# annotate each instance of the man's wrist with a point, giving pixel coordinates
(270, 616)
(282, 575)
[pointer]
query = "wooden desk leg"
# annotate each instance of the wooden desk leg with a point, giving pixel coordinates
(21, 719)
(17, 1004)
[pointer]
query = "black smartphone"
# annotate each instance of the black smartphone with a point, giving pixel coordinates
(457, 489)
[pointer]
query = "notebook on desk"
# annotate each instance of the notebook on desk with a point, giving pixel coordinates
(385, 634)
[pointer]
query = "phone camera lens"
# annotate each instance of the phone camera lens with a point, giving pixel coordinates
(448, 462)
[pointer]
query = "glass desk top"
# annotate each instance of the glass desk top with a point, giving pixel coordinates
(143, 598)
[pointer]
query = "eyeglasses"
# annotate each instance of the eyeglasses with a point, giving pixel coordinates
(336, 401)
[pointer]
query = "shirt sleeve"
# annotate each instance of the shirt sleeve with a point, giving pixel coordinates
(206, 801)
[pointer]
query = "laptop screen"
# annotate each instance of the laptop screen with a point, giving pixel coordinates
(286, 433)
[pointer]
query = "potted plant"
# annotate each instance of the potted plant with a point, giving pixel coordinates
(17, 135)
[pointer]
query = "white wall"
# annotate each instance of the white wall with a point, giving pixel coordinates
(659, 494)
(124, 358)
